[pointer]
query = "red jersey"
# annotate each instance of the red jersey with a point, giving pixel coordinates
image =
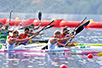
(22, 36)
(62, 36)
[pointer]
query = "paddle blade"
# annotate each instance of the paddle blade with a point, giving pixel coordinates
(39, 16)
(80, 28)
(81, 22)
(85, 24)
(10, 17)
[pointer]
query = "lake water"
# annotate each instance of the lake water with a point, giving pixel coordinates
(43, 60)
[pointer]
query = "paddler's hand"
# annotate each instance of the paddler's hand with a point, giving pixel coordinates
(73, 31)
(37, 33)
(40, 24)
(72, 36)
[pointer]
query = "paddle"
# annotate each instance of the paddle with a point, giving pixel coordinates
(39, 16)
(79, 29)
(10, 17)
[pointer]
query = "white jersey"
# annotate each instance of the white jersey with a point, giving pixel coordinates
(51, 46)
(10, 47)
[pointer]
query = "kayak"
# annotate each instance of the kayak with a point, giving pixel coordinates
(36, 48)
(77, 47)
(56, 51)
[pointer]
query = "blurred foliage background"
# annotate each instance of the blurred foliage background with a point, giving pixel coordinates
(52, 6)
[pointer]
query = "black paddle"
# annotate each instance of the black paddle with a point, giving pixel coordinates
(10, 17)
(39, 16)
(78, 30)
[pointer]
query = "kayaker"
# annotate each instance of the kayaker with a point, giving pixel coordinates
(4, 33)
(66, 33)
(24, 35)
(12, 40)
(54, 41)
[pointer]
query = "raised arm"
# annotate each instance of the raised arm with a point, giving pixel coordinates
(63, 39)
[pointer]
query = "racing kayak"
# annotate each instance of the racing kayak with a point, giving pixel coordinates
(55, 51)
(40, 45)
(69, 50)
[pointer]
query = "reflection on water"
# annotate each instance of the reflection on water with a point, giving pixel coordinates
(42, 60)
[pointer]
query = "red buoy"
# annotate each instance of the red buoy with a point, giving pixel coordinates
(63, 66)
(90, 56)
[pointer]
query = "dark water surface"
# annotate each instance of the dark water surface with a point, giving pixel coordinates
(42, 60)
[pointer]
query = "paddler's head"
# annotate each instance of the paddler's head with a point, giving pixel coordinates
(15, 33)
(26, 30)
(30, 31)
(66, 30)
(57, 34)
(32, 25)
(6, 26)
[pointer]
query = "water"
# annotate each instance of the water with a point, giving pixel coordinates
(43, 60)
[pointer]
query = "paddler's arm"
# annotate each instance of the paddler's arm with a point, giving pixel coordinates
(21, 40)
(60, 44)
(64, 39)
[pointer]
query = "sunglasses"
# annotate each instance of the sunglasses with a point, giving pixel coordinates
(58, 35)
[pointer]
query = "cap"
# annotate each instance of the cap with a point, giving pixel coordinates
(15, 31)
(26, 29)
(1, 24)
(57, 32)
(32, 24)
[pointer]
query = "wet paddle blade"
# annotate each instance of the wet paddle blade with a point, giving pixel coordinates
(80, 28)
(39, 16)
(10, 17)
